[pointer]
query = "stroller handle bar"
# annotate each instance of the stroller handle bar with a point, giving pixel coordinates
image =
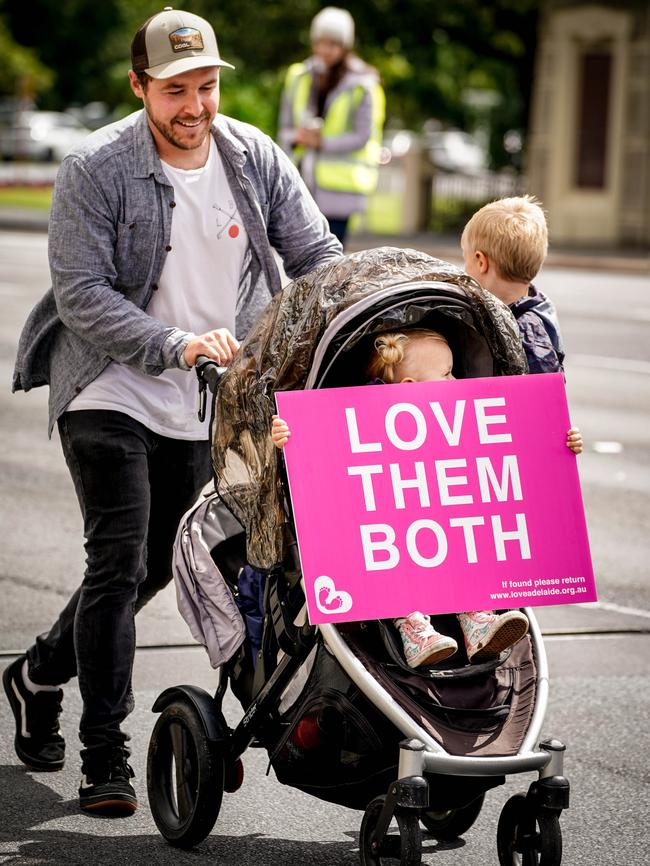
(209, 374)
(208, 371)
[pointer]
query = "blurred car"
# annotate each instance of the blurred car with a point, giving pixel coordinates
(40, 135)
(456, 151)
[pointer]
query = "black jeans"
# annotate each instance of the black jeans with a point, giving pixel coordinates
(133, 486)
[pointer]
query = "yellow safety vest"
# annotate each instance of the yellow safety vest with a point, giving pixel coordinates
(354, 172)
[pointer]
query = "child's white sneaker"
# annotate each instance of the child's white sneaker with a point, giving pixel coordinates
(423, 645)
(487, 634)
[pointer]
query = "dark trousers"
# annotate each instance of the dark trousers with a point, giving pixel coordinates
(133, 486)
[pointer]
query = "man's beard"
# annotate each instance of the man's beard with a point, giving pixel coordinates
(167, 131)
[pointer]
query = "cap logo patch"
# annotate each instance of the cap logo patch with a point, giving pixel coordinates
(186, 39)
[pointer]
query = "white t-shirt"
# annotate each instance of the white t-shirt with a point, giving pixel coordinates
(197, 292)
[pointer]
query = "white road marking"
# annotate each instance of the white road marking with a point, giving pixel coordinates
(605, 447)
(618, 608)
(595, 636)
(616, 365)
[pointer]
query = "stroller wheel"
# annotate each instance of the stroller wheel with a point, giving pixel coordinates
(447, 826)
(526, 837)
(407, 847)
(185, 776)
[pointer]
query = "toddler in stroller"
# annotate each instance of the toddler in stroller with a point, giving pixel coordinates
(419, 355)
(341, 714)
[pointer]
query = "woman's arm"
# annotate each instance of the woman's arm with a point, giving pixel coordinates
(356, 137)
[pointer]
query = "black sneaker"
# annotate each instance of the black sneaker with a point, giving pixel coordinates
(38, 742)
(105, 787)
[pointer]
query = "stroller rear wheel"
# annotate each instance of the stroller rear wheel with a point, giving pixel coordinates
(447, 826)
(185, 776)
(526, 837)
(407, 847)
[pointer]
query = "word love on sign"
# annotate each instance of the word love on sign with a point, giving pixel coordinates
(437, 496)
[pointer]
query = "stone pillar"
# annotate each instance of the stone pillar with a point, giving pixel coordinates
(634, 210)
(593, 179)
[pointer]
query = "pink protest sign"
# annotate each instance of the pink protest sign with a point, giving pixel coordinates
(437, 496)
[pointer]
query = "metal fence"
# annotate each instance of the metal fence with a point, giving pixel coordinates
(455, 197)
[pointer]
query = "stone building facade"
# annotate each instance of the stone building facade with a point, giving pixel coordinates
(588, 155)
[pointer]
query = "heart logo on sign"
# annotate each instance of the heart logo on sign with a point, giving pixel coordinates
(329, 599)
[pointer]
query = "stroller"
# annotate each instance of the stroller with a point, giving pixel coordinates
(339, 712)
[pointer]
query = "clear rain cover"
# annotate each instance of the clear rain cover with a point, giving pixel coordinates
(278, 352)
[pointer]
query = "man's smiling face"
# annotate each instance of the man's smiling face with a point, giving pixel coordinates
(180, 109)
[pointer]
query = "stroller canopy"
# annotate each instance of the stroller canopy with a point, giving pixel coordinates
(313, 335)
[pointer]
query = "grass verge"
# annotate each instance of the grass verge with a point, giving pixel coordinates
(31, 197)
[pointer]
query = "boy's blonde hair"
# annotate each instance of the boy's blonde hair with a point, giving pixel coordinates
(512, 233)
(390, 350)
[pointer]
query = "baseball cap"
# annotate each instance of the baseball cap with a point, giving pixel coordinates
(173, 41)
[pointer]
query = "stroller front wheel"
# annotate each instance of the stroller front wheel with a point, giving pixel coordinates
(526, 837)
(185, 776)
(447, 826)
(407, 847)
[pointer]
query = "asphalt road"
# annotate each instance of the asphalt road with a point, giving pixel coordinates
(599, 654)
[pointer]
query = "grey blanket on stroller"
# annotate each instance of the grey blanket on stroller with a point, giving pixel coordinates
(204, 599)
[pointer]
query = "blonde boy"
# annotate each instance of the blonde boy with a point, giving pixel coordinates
(504, 246)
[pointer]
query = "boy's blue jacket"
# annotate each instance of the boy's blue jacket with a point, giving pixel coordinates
(540, 332)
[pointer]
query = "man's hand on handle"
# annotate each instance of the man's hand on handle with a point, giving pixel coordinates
(219, 346)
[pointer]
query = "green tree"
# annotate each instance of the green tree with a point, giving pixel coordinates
(430, 53)
(22, 75)
(70, 38)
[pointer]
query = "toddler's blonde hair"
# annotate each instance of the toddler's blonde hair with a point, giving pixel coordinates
(512, 233)
(390, 350)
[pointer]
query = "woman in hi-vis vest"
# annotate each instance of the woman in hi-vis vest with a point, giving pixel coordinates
(331, 120)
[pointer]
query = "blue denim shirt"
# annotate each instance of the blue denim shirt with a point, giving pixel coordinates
(110, 227)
